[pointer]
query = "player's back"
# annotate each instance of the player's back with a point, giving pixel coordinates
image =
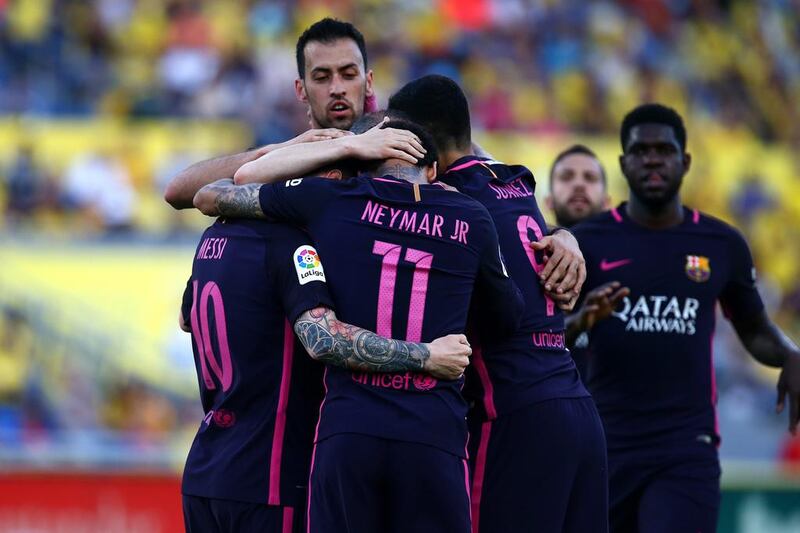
(259, 389)
(533, 364)
(402, 260)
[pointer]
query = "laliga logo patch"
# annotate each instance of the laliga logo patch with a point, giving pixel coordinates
(307, 265)
(698, 268)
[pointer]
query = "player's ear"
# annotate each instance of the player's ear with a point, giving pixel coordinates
(687, 162)
(430, 172)
(333, 174)
(548, 201)
(300, 91)
(606, 201)
(369, 90)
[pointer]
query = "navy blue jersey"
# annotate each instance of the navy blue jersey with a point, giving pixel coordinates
(402, 260)
(259, 389)
(650, 365)
(533, 364)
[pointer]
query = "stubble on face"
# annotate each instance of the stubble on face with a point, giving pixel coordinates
(335, 84)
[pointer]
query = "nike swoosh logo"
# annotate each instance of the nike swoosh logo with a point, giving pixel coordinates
(611, 265)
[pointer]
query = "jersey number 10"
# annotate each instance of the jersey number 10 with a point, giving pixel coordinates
(202, 336)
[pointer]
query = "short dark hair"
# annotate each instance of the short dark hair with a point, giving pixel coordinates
(440, 106)
(578, 149)
(328, 30)
(400, 122)
(653, 114)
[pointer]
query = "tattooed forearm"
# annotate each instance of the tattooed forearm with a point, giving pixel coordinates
(223, 198)
(337, 343)
(240, 201)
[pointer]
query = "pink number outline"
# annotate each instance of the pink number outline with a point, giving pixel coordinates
(419, 288)
(202, 336)
(525, 223)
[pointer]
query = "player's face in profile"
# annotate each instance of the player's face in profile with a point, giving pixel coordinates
(654, 164)
(577, 190)
(335, 83)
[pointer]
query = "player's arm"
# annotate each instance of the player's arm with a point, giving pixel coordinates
(302, 159)
(186, 307)
(223, 198)
(770, 346)
(763, 339)
(337, 343)
(598, 305)
(498, 298)
(182, 188)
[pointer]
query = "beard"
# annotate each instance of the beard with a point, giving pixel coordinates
(566, 218)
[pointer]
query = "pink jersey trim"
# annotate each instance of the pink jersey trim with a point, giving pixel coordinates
(616, 215)
(480, 473)
(280, 417)
(466, 487)
(488, 388)
(288, 520)
(314, 450)
(713, 378)
(387, 181)
(472, 163)
(695, 216)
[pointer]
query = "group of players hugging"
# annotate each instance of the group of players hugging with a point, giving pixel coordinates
(455, 338)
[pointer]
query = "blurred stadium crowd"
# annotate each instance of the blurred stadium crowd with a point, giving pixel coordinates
(100, 102)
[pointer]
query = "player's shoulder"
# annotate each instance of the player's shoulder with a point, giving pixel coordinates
(705, 223)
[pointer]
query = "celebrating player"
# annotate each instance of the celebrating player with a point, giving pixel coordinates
(249, 462)
(651, 371)
(334, 82)
(538, 450)
(403, 257)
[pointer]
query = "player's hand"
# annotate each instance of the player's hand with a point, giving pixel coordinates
(600, 303)
(565, 269)
(789, 385)
(449, 357)
(386, 143)
(312, 135)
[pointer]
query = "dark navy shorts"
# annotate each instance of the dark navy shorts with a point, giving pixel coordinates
(209, 515)
(657, 491)
(364, 484)
(541, 468)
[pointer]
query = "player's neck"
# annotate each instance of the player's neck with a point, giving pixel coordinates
(408, 173)
(448, 157)
(661, 217)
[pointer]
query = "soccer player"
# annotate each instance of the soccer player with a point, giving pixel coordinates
(334, 82)
(578, 190)
(403, 257)
(651, 372)
(537, 445)
(251, 280)
(577, 186)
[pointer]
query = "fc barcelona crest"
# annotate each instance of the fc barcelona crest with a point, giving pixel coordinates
(698, 268)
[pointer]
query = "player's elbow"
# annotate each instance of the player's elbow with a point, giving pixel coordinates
(205, 202)
(174, 196)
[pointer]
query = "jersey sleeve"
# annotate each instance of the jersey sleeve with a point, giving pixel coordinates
(497, 297)
(739, 298)
(296, 201)
(299, 276)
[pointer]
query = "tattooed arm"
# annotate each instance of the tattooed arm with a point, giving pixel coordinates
(333, 342)
(223, 198)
